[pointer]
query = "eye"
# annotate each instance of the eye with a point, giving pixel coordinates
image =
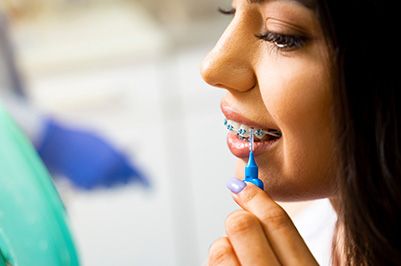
(228, 12)
(283, 41)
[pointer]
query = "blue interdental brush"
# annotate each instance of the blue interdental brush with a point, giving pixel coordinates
(251, 169)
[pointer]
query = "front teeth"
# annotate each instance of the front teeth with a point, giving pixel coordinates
(232, 125)
(244, 131)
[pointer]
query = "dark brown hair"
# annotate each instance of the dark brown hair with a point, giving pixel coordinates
(368, 112)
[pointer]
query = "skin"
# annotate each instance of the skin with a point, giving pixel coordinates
(290, 89)
(261, 233)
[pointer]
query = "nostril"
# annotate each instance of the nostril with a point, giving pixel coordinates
(223, 86)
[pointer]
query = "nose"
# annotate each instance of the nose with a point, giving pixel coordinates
(229, 64)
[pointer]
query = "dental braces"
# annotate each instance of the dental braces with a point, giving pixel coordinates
(244, 132)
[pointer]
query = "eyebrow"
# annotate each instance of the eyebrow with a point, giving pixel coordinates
(307, 3)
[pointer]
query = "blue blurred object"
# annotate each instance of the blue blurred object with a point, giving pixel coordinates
(85, 158)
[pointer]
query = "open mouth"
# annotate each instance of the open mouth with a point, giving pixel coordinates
(244, 132)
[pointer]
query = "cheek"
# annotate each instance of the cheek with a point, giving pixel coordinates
(297, 95)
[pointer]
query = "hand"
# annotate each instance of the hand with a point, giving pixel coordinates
(86, 159)
(260, 234)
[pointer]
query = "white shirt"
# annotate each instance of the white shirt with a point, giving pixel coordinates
(316, 222)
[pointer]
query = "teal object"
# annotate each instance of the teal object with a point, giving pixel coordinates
(2, 260)
(33, 228)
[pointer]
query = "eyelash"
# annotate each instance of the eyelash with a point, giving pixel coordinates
(228, 12)
(280, 41)
(283, 41)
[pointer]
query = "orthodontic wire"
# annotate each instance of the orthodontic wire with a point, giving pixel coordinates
(258, 132)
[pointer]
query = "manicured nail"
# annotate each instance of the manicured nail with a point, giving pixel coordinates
(235, 185)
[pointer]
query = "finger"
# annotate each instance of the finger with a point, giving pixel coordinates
(281, 233)
(248, 239)
(221, 253)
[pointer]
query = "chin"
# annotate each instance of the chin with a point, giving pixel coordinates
(288, 189)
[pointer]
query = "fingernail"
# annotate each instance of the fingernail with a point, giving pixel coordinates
(235, 185)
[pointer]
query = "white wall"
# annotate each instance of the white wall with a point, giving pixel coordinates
(114, 70)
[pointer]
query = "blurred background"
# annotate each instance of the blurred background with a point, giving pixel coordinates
(127, 72)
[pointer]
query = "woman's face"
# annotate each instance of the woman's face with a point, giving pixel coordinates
(273, 61)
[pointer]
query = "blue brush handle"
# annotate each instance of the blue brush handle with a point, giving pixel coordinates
(251, 172)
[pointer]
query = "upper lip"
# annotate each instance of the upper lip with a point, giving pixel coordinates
(231, 114)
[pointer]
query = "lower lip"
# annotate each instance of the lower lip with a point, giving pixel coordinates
(240, 148)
